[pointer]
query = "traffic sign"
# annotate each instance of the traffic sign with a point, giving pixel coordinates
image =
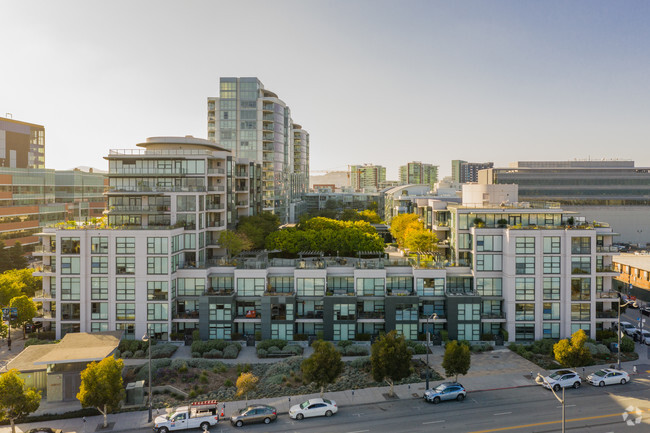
(10, 312)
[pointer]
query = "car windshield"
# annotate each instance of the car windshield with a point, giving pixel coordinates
(327, 401)
(440, 388)
(304, 405)
(600, 373)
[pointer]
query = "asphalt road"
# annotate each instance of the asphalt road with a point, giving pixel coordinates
(527, 410)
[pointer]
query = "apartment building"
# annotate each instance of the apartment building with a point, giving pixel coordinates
(254, 123)
(367, 176)
(418, 172)
(22, 144)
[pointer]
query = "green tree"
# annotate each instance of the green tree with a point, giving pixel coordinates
(246, 382)
(370, 216)
(572, 353)
(258, 227)
(421, 241)
(16, 401)
(22, 278)
(26, 311)
(456, 359)
(324, 366)
(234, 243)
(401, 223)
(9, 289)
(390, 359)
(101, 386)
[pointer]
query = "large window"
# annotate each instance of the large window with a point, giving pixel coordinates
(552, 330)
(125, 245)
(552, 289)
(430, 286)
(489, 262)
(99, 288)
(524, 312)
(468, 312)
(220, 312)
(157, 265)
(128, 330)
(551, 264)
(406, 312)
(489, 286)
(524, 289)
(408, 330)
(310, 286)
(250, 286)
(551, 311)
(70, 246)
(580, 265)
(469, 331)
(524, 245)
(194, 286)
(282, 331)
(524, 332)
(125, 289)
(525, 265)
(157, 290)
(581, 245)
(124, 311)
(70, 289)
(125, 265)
(370, 286)
(99, 310)
(580, 289)
(99, 265)
(70, 265)
(581, 311)
(399, 285)
(157, 312)
(344, 311)
(99, 245)
(552, 245)
(460, 285)
(281, 284)
(70, 311)
(220, 331)
(157, 245)
(489, 243)
(340, 285)
(343, 331)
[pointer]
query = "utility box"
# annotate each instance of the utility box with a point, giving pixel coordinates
(135, 392)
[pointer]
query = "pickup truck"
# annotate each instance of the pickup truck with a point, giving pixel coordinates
(199, 415)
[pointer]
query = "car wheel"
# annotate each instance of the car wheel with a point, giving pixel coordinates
(436, 400)
(205, 426)
(164, 430)
(601, 383)
(300, 416)
(239, 423)
(328, 413)
(267, 420)
(576, 385)
(556, 388)
(623, 381)
(460, 397)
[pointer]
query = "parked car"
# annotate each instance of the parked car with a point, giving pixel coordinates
(642, 336)
(445, 391)
(628, 328)
(253, 414)
(562, 379)
(313, 407)
(645, 311)
(45, 430)
(608, 376)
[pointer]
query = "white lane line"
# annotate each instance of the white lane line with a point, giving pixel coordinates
(433, 422)
(566, 405)
(502, 413)
(359, 431)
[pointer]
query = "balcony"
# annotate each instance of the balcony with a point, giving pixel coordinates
(219, 292)
(216, 171)
(45, 269)
(493, 315)
(315, 315)
(607, 249)
(607, 295)
(373, 315)
(215, 206)
(400, 292)
(41, 295)
(606, 269)
(193, 314)
(340, 292)
(612, 314)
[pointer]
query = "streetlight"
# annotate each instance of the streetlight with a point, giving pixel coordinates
(434, 316)
(618, 332)
(146, 337)
(561, 400)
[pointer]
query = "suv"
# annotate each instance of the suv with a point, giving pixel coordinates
(562, 379)
(628, 328)
(645, 311)
(642, 336)
(445, 391)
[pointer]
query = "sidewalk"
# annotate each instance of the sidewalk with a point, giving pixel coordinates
(498, 369)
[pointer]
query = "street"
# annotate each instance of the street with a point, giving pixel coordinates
(529, 409)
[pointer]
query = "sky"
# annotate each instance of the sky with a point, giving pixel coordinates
(379, 82)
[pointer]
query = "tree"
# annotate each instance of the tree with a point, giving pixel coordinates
(324, 366)
(258, 227)
(390, 359)
(370, 216)
(9, 289)
(421, 241)
(12, 258)
(101, 386)
(15, 400)
(22, 278)
(234, 243)
(572, 353)
(246, 382)
(456, 359)
(26, 311)
(401, 223)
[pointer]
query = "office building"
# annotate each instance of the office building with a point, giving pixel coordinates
(367, 176)
(254, 123)
(455, 169)
(418, 173)
(469, 170)
(22, 144)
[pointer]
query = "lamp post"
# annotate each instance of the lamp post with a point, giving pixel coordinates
(434, 316)
(561, 400)
(147, 337)
(618, 333)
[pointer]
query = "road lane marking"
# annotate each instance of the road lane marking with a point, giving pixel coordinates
(359, 431)
(433, 422)
(547, 423)
(502, 413)
(566, 405)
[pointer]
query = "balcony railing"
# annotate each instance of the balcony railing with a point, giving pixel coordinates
(370, 315)
(219, 292)
(607, 249)
(493, 315)
(612, 314)
(605, 268)
(187, 315)
(607, 295)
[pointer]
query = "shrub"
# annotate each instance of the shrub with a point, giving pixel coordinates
(604, 334)
(212, 354)
(236, 336)
(196, 335)
(487, 337)
(203, 378)
(356, 350)
(231, 351)
(261, 353)
(300, 337)
(191, 394)
(117, 353)
(361, 363)
(183, 368)
(274, 349)
(127, 354)
(363, 336)
(267, 344)
(444, 335)
(418, 348)
(139, 354)
(344, 343)
(36, 341)
(196, 355)
(627, 345)
(542, 347)
(228, 382)
(293, 348)
(165, 350)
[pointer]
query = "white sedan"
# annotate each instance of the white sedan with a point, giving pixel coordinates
(313, 407)
(608, 376)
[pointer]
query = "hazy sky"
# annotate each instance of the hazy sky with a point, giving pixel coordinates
(382, 82)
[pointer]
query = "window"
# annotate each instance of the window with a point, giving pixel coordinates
(186, 203)
(99, 265)
(524, 245)
(406, 312)
(552, 288)
(99, 310)
(125, 245)
(220, 312)
(70, 246)
(524, 312)
(310, 286)
(281, 284)
(124, 311)
(340, 285)
(70, 289)
(282, 331)
(344, 311)
(489, 286)
(157, 290)
(343, 331)
(468, 312)
(128, 329)
(584, 326)
(251, 286)
(489, 262)
(370, 286)
(552, 330)
(157, 265)
(551, 311)
(581, 312)
(191, 286)
(157, 312)
(222, 284)
(430, 286)
(489, 243)
(157, 245)
(399, 285)
(552, 264)
(70, 311)
(70, 265)
(408, 330)
(125, 265)
(125, 289)
(98, 326)
(220, 331)
(525, 265)
(552, 245)
(524, 332)
(99, 288)
(581, 245)
(580, 289)
(99, 245)
(524, 289)
(469, 331)
(580, 265)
